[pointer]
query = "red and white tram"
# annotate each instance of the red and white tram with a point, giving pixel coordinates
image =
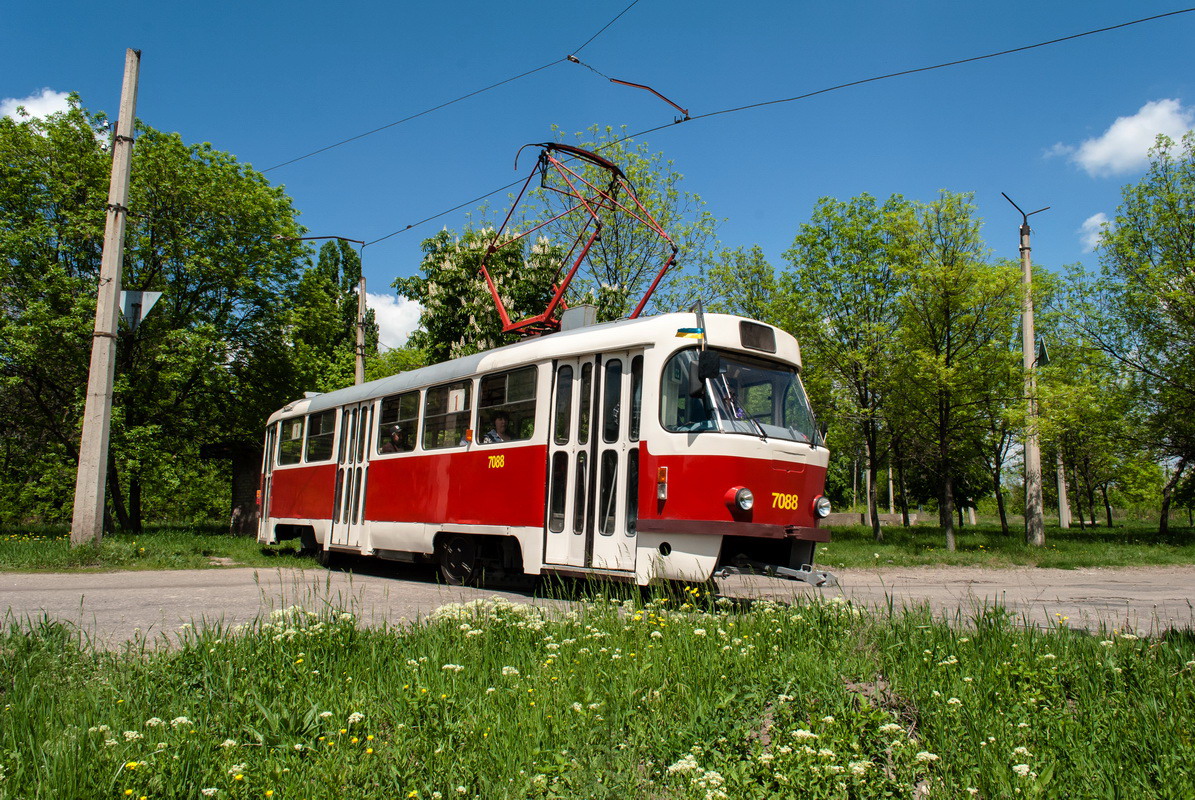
(639, 450)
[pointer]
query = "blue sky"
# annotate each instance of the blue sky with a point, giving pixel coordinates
(1065, 126)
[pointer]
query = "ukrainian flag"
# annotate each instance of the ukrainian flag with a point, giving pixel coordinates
(690, 333)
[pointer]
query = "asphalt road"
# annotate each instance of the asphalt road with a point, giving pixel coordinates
(114, 607)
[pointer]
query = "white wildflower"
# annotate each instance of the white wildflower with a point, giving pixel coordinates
(130, 736)
(509, 671)
(686, 764)
(179, 721)
(228, 743)
(1021, 769)
(860, 767)
(356, 717)
(801, 734)
(154, 722)
(926, 757)
(452, 667)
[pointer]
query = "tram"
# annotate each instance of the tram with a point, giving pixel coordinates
(671, 447)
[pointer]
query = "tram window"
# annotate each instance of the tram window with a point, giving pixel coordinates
(609, 492)
(290, 445)
(507, 406)
(756, 400)
(636, 396)
(632, 491)
(559, 491)
(446, 412)
(564, 404)
(398, 424)
(586, 400)
(581, 493)
(612, 400)
(366, 416)
(320, 430)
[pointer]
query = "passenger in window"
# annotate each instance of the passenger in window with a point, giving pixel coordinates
(498, 432)
(397, 443)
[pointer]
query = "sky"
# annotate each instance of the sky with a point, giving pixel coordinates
(1065, 126)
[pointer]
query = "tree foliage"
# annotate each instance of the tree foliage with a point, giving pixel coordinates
(1141, 309)
(458, 316)
(324, 320)
(848, 266)
(210, 361)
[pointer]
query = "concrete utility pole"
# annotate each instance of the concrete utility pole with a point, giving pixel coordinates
(91, 482)
(359, 371)
(1035, 526)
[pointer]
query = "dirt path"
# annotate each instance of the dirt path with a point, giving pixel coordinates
(119, 606)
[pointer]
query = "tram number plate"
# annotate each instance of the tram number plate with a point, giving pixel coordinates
(497, 462)
(788, 502)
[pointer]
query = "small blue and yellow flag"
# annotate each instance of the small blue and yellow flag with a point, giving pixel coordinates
(690, 333)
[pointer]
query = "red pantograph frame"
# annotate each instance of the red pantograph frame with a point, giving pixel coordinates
(589, 200)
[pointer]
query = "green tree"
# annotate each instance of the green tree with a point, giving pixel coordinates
(955, 315)
(742, 282)
(210, 361)
(1141, 310)
(846, 275)
(458, 316)
(324, 320)
(393, 361)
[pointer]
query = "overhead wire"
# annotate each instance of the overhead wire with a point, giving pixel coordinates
(474, 93)
(805, 96)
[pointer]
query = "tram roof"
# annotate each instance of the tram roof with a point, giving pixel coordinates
(721, 330)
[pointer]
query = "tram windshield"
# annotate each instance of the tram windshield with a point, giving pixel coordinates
(749, 396)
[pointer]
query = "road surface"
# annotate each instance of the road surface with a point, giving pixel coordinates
(114, 607)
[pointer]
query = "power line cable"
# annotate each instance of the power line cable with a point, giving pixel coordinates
(607, 25)
(414, 116)
(943, 65)
(450, 102)
(805, 96)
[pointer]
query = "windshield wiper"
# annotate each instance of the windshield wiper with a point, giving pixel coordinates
(739, 412)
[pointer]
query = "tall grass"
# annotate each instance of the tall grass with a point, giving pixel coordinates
(672, 698)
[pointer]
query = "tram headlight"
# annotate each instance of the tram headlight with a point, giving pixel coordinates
(740, 498)
(821, 506)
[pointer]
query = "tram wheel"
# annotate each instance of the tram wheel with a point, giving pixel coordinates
(458, 559)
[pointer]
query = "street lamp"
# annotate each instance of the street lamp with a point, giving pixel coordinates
(359, 373)
(1035, 526)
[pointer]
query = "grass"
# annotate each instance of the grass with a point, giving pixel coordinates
(1130, 545)
(196, 547)
(47, 549)
(673, 698)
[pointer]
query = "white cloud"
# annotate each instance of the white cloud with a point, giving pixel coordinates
(1124, 147)
(1092, 230)
(397, 318)
(37, 105)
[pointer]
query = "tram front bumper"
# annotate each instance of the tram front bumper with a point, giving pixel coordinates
(805, 573)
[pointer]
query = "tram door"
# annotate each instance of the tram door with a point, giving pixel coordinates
(593, 463)
(267, 480)
(352, 472)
